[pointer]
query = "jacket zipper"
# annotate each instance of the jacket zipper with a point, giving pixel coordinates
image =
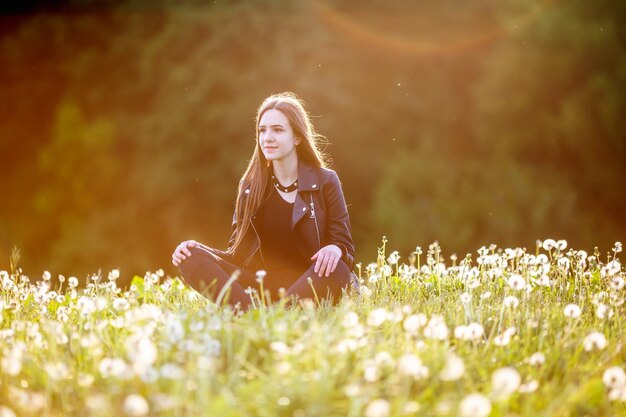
(314, 217)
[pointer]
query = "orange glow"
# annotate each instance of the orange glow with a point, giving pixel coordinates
(460, 42)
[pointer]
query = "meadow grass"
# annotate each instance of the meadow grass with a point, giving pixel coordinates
(504, 332)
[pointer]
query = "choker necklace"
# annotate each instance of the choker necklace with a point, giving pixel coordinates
(288, 189)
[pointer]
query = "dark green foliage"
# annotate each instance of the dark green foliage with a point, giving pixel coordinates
(125, 128)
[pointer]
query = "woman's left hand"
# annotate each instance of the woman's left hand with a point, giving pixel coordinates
(327, 259)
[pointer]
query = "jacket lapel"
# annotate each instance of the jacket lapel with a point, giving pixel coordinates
(307, 181)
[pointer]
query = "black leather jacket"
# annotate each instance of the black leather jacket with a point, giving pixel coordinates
(319, 218)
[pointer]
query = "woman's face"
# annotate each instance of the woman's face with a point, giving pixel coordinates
(276, 137)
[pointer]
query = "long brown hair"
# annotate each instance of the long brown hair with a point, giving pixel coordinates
(256, 177)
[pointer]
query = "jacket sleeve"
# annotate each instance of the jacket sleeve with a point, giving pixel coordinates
(338, 230)
(233, 232)
(233, 227)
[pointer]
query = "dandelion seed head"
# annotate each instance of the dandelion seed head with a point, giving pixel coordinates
(572, 311)
(475, 405)
(511, 301)
(505, 381)
(414, 322)
(603, 311)
(386, 271)
(462, 332)
(393, 258)
(411, 365)
(121, 304)
(436, 328)
(530, 386)
(371, 372)
(563, 263)
(135, 405)
(454, 368)
(537, 359)
(384, 358)
(113, 275)
(614, 377)
(72, 282)
(377, 317)
(350, 319)
(502, 339)
(6, 412)
(172, 371)
(618, 394)
(595, 340)
(476, 331)
(617, 283)
(378, 408)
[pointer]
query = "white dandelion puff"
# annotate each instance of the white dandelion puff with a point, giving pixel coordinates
(454, 369)
(617, 283)
(475, 405)
(72, 282)
(537, 359)
(572, 311)
(436, 328)
(377, 317)
(350, 319)
(378, 408)
(595, 340)
(371, 373)
(505, 381)
(135, 405)
(462, 332)
(6, 412)
(393, 258)
(614, 377)
(530, 386)
(414, 322)
(516, 282)
(411, 365)
(121, 304)
(511, 301)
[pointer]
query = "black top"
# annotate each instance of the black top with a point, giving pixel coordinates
(278, 243)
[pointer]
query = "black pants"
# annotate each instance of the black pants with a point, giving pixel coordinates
(207, 272)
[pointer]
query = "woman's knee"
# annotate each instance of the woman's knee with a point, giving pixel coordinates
(342, 274)
(190, 263)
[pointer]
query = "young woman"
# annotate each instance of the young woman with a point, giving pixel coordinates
(290, 219)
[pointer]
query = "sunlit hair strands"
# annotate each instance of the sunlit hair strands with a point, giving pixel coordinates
(256, 177)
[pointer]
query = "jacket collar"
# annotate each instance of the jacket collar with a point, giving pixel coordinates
(308, 179)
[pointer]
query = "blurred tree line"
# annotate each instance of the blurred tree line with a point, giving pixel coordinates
(125, 126)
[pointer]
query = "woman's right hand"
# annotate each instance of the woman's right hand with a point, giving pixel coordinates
(182, 252)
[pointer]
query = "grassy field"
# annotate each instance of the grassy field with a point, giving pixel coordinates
(502, 332)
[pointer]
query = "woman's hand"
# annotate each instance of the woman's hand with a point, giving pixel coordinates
(327, 259)
(181, 252)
